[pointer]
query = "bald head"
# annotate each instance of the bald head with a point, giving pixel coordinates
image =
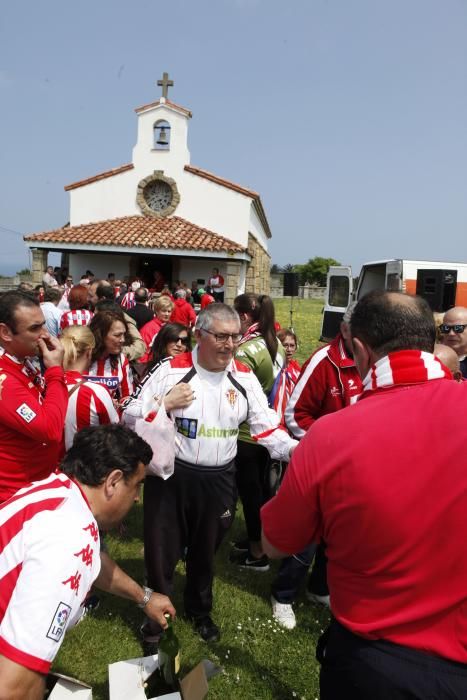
(450, 359)
(391, 321)
(454, 336)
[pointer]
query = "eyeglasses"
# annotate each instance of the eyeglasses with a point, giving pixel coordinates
(181, 339)
(456, 327)
(224, 337)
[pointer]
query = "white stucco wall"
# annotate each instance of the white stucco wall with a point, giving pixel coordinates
(110, 198)
(100, 264)
(202, 202)
(190, 270)
(145, 157)
(256, 228)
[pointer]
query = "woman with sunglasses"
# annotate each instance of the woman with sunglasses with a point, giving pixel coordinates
(173, 339)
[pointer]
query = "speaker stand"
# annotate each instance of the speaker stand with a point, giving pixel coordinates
(291, 314)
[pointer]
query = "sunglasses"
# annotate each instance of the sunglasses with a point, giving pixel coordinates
(456, 327)
(181, 339)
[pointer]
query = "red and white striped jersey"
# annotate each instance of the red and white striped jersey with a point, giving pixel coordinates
(77, 317)
(89, 404)
(49, 559)
(128, 301)
(120, 368)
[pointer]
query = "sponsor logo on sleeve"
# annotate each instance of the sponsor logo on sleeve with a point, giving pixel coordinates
(188, 427)
(26, 412)
(59, 622)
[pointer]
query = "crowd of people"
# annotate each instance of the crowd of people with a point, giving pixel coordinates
(350, 466)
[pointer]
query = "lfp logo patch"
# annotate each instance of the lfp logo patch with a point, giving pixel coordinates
(59, 622)
(26, 412)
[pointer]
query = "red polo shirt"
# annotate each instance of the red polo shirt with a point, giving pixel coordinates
(384, 482)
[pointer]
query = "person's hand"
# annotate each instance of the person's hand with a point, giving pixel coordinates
(180, 396)
(157, 607)
(52, 351)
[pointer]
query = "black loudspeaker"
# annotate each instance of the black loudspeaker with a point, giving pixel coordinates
(438, 287)
(291, 284)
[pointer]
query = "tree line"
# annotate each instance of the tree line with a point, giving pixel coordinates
(313, 272)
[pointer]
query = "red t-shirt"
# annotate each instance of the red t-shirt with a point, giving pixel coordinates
(384, 482)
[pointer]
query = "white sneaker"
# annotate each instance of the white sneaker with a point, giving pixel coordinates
(315, 598)
(283, 613)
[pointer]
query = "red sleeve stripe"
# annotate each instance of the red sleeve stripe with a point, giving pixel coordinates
(23, 659)
(11, 527)
(56, 483)
(266, 433)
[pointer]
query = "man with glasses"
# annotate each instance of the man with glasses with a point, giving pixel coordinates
(32, 407)
(195, 507)
(454, 334)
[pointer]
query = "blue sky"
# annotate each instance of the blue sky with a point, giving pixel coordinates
(349, 117)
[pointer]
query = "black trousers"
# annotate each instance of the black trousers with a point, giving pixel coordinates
(252, 464)
(194, 508)
(354, 668)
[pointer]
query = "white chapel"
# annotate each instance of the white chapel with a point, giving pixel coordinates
(161, 213)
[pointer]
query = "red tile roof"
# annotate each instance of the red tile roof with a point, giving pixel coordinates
(140, 232)
(168, 103)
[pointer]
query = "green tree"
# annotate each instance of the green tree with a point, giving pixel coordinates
(315, 270)
(24, 271)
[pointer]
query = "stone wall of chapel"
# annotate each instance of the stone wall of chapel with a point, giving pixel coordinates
(258, 277)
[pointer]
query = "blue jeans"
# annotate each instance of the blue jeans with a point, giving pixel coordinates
(291, 574)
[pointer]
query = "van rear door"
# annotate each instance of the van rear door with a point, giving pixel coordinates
(337, 298)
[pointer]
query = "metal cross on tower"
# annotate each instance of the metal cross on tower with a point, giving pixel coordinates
(165, 83)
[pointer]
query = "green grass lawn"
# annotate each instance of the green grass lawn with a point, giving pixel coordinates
(259, 659)
(306, 321)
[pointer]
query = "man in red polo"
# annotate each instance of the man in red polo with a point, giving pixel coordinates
(385, 488)
(32, 406)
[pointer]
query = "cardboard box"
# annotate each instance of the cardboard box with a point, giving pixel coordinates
(66, 688)
(127, 678)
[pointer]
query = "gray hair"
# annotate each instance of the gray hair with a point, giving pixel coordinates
(220, 312)
(180, 294)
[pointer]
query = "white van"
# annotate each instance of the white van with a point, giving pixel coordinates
(442, 284)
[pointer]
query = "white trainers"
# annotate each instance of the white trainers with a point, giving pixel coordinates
(315, 598)
(283, 613)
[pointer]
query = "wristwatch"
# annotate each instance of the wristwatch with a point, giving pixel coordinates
(147, 594)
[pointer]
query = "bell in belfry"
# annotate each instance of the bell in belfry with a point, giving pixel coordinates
(163, 139)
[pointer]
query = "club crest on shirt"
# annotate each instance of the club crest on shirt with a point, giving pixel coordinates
(59, 622)
(231, 396)
(26, 412)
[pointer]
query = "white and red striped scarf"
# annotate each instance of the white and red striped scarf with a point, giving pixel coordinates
(404, 367)
(250, 333)
(128, 301)
(77, 317)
